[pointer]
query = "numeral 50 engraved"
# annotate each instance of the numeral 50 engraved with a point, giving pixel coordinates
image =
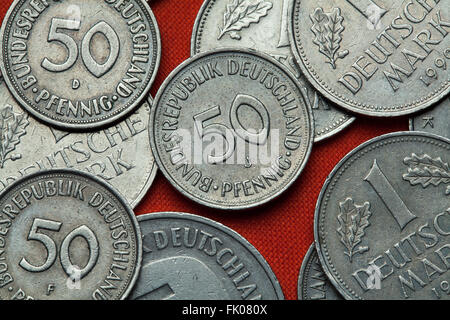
(229, 135)
(93, 66)
(50, 246)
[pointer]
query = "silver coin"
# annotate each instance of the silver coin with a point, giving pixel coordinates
(228, 141)
(382, 220)
(263, 25)
(379, 58)
(119, 154)
(75, 68)
(188, 257)
(66, 234)
(434, 121)
(313, 283)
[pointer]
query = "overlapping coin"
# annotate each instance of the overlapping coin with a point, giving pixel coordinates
(313, 283)
(263, 25)
(65, 234)
(231, 129)
(382, 221)
(79, 64)
(119, 154)
(377, 58)
(188, 257)
(436, 120)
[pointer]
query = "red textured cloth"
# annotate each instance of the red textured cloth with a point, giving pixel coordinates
(281, 230)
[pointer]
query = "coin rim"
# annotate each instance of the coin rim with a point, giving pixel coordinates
(230, 232)
(301, 276)
(109, 188)
(353, 107)
(154, 170)
(344, 124)
(317, 213)
(90, 125)
(161, 165)
(411, 125)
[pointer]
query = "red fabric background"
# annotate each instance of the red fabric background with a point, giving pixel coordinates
(281, 230)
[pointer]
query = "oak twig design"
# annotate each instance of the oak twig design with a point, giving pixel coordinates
(426, 171)
(12, 127)
(240, 14)
(327, 28)
(353, 220)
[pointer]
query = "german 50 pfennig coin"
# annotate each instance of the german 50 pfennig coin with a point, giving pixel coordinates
(313, 283)
(79, 64)
(119, 154)
(436, 120)
(187, 257)
(382, 220)
(262, 25)
(378, 58)
(231, 129)
(67, 235)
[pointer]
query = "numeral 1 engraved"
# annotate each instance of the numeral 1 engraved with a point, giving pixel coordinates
(390, 197)
(366, 8)
(284, 39)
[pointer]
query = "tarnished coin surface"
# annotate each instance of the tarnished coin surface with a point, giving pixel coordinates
(231, 129)
(379, 58)
(66, 234)
(79, 64)
(313, 283)
(382, 220)
(119, 154)
(436, 120)
(262, 25)
(188, 257)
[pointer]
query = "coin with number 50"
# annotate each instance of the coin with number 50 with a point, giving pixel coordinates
(75, 68)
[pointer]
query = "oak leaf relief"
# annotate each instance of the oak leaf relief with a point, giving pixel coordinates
(12, 128)
(327, 29)
(241, 14)
(425, 171)
(353, 220)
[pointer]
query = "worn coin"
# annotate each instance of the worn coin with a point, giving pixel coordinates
(231, 129)
(382, 220)
(66, 234)
(188, 257)
(75, 68)
(313, 283)
(263, 25)
(119, 154)
(379, 58)
(436, 120)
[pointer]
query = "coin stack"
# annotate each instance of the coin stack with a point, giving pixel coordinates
(231, 128)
